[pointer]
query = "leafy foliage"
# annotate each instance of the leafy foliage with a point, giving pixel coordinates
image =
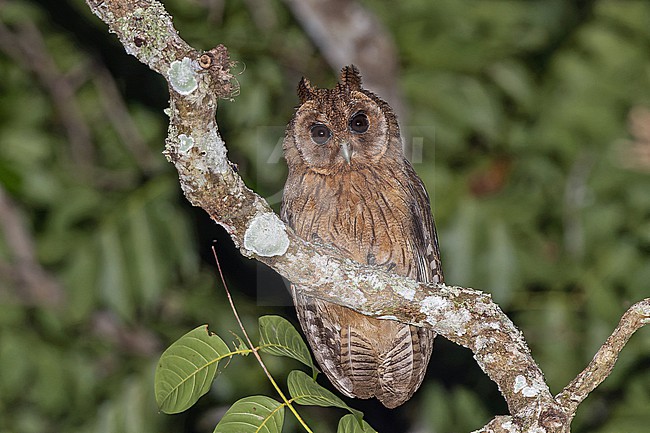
(350, 424)
(257, 414)
(304, 390)
(187, 368)
(279, 337)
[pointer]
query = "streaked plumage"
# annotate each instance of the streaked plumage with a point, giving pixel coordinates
(350, 186)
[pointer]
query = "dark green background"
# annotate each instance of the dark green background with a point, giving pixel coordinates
(522, 111)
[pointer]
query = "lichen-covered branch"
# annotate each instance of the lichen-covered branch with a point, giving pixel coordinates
(467, 317)
(603, 362)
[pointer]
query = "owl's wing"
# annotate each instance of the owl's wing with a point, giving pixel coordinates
(427, 268)
(322, 327)
(425, 239)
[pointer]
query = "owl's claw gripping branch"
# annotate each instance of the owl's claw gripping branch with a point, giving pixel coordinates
(467, 317)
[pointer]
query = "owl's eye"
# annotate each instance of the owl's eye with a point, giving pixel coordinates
(320, 134)
(359, 123)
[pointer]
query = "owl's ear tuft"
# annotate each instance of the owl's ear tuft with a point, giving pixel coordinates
(305, 90)
(351, 77)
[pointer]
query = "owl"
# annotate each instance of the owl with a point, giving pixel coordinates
(350, 186)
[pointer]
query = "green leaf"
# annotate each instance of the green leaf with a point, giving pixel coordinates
(279, 337)
(241, 345)
(255, 414)
(187, 368)
(350, 424)
(306, 391)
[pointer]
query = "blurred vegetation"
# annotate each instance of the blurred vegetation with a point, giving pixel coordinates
(520, 110)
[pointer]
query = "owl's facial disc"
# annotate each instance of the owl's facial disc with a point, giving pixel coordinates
(342, 131)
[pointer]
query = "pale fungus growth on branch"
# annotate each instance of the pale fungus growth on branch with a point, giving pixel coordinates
(521, 385)
(182, 76)
(185, 143)
(266, 236)
(215, 149)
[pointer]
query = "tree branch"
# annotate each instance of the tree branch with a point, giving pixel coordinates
(603, 362)
(465, 316)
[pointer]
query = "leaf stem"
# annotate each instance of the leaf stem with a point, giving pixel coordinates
(255, 349)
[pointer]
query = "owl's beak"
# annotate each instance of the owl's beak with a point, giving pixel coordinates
(345, 151)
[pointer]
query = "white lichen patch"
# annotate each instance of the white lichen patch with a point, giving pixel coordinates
(322, 263)
(185, 143)
(453, 290)
(490, 358)
(530, 391)
(521, 385)
(434, 303)
(370, 279)
(405, 292)
(210, 146)
(509, 426)
(215, 148)
(330, 271)
(486, 361)
(353, 298)
(452, 321)
(266, 236)
(182, 76)
(482, 342)
(455, 322)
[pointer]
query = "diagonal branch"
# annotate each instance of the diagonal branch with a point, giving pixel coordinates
(603, 362)
(465, 316)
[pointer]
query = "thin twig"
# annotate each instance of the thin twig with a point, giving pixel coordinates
(603, 362)
(254, 349)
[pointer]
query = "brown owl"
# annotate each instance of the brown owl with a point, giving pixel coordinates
(350, 186)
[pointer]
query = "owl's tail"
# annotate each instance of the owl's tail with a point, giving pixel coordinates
(365, 357)
(402, 368)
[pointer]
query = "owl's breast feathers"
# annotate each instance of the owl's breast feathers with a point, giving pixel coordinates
(379, 216)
